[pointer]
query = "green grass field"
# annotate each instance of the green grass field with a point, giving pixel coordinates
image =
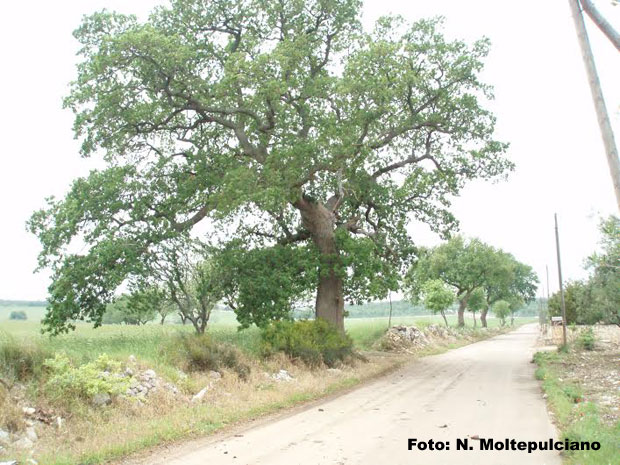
(86, 342)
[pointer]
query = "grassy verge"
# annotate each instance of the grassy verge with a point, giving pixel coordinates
(98, 435)
(576, 418)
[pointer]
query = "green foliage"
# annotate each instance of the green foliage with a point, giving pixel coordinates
(477, 300)
(578, 302)
(130, 309)
(501, 309)
(437, 297)
(596, 299)
(100, 376)
(200, 352)
(18, 315)
(587, 339)
(474, 270)
(314, 342)
(263, 285)
(283, 124)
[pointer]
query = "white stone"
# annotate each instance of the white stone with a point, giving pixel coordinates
(31, 434)
(149, 374)
(132, 359)
(282, 375)
(23, 443)
(4, 437)
(200, 395)
(215, 374)
(59, 422)
(29, 410)
(10, 462)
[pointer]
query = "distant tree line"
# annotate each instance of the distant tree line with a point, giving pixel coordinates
(22, 303)
(475, 275)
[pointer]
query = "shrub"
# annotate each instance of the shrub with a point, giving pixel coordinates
(18, 315)
(586, 339)
(199, 352)
(85, 381)
(314, 342)
(21, 360)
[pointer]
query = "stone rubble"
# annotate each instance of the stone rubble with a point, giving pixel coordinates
(409, 338)
(282, 375)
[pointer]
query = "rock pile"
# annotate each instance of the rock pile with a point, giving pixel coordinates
(409, 338)
(146, 382)
(26, 439)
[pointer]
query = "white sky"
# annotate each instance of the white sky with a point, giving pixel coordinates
(543, 107)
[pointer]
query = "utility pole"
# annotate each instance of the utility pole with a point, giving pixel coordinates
(597, 96)
(547, 270)
(604, 25)
(390, 319)
(557, 248)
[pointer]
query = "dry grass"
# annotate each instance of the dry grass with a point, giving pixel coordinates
(97, 435)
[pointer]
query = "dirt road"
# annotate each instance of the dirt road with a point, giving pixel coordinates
(485, 390)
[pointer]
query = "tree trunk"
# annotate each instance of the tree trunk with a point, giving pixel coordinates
(445, 320)
(474, 313)
(483, 317)
(320, 222)
(462, 306)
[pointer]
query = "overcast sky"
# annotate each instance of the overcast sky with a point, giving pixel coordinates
(543, 107)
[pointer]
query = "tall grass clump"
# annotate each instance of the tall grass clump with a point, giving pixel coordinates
(21, 360)
(200, 352)
(314, 342)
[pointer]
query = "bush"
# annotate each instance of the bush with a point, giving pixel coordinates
(18, 315)
(586, 339)
(102, 376)
(314, 342)
(21, 360)
(199, 352)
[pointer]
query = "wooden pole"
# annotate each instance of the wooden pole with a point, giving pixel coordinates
(557, 248)
(599, 101)
(604, 25)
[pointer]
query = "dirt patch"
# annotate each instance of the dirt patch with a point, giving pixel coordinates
(597, 372)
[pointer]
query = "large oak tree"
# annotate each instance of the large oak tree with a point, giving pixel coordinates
(282, 124)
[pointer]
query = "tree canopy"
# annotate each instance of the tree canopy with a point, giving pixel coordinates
(283, 126)
(475, 270)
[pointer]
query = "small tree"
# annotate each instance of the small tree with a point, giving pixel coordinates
(191, 280)
(501, 308)
(477, 302)
(147, 302)
(437, 297)
(130, 309)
